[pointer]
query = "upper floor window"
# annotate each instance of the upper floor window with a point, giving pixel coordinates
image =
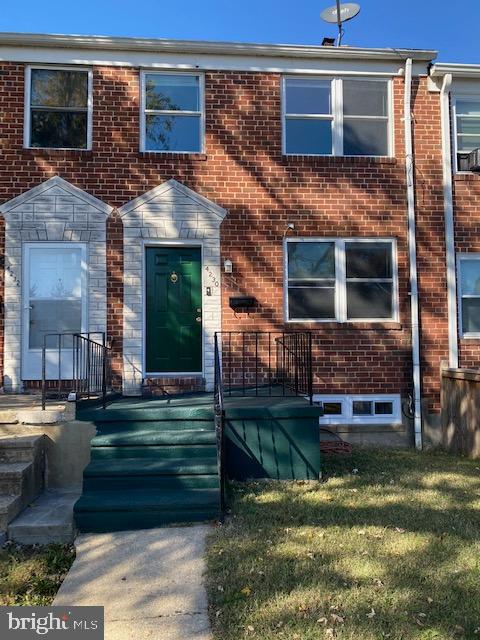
(172, 113)
(58, 108)
(340, 280)
(340, 117)
(467, 129)
(469, 294)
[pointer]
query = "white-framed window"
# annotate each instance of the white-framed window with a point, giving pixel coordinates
(337, 116)
(340, 280)
(58, 108)
(466, 128)
(468, 266)
(360, 409)
(172, 112)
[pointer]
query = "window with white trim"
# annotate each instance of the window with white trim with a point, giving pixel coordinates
(339, 116)
(340, 280)
(58, 113)
(359, 409)
(172, 114)
(469, 294)
(467, 128)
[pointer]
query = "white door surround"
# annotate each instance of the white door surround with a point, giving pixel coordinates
(173, 214)
(54, 211)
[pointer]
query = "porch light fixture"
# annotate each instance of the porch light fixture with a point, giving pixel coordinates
(228, 266)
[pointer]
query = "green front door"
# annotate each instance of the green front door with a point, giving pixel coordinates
(174, 310)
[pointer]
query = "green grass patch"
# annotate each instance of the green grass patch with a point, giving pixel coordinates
(32, 575)
(387, 546)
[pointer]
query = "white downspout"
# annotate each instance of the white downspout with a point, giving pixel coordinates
(412, 251)
(449, 222)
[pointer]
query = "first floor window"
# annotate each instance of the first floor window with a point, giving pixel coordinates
(469, 293)
(58, 109)
(173, 105)
(340, 280)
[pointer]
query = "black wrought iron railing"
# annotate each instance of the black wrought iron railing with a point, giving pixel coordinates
(266, 363)
(76, 363)
(220, 424)
(258, 363)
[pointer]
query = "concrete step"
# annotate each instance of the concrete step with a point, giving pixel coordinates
(10, 506)
(14, 476)
(48, 520)
(21, 448)
(23, 479)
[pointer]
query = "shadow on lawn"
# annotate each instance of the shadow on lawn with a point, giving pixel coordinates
(417, 566)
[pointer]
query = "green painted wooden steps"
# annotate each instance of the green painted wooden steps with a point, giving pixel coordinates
(151, 464)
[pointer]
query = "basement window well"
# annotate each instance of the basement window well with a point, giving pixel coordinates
(356, 409)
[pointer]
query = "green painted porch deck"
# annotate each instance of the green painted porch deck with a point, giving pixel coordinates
(154, 461)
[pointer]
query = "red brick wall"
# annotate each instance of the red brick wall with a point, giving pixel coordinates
(430, 240)
(244, 171)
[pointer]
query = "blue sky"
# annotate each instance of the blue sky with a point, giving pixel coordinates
(451, 27)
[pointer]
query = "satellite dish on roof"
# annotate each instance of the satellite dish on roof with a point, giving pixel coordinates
(339, 14)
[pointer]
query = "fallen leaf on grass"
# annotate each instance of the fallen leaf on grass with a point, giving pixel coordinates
(337, 618)
(246, 591)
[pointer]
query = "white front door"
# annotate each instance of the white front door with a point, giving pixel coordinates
(54, 301)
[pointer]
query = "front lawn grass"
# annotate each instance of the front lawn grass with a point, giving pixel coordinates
(387, 546)
(32, 575)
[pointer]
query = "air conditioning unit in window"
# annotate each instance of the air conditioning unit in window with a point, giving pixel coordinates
(469, 161)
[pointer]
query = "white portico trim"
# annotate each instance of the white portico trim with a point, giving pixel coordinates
(168, 214)
(54, 213)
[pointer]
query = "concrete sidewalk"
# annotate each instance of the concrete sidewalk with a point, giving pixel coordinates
(150, 582)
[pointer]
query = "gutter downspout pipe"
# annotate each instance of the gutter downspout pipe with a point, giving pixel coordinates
(449, 222)
(412, 251)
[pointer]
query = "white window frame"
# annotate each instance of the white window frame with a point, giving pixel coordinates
(26, 247)
(337, 115)
(347, 416)
(341, 280)
(470, 97)
(143, 111)
(27, 106)
(460, 258)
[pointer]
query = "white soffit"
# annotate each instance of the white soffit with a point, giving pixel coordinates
(183, 54)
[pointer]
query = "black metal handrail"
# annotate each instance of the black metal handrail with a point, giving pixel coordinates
(89, 366)
(219, 410)
(266, 363)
